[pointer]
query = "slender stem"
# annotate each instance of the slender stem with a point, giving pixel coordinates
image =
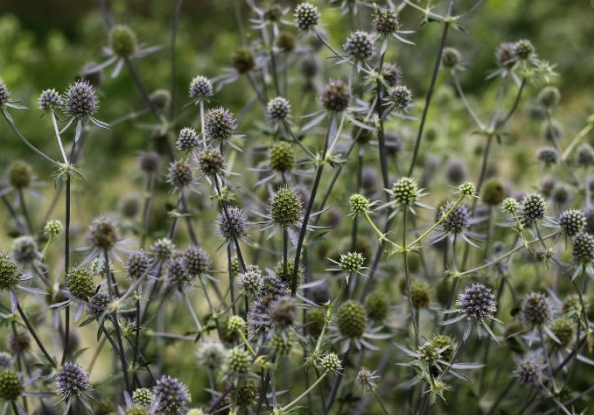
(12, 125)
(407, 276)
(34, 334)
(292, 404)
(25, 210)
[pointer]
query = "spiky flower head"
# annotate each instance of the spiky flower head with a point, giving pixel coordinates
(160, 99)
(391, 73)
(53, 228)
(177, 273)
(316, 321)
(307, 16)
(523, 49)
(450, 59)
(171, 395)
(197, 260)
(50, 99)
(80, 100)
(137, 264)
(359, 204)
(180, 174)
(585, 155)
(79, 282)
(211, 162)
(10, 386)
(528, 372)
(71, 381)
(236, 323)
(150, 162)
(247, 393)
(420, 294)
(330, 362)
(505, 55)
(9, 275)
(19, 342)
(200, 88)
(549, 96)
(4, 94)
(187, 139)
(444, 344)
(238, 360)
(385, 22)
(20, 174)
(458, 219)
(467, 189)
(351, 319)
(278, 108)
(510, 206)
(219, 124)
(572, 221)
(351, 262)
(400, 97)
(583, 248)
(122, 41)
(211, 355)
(405, 191)
(243, 60)
(477, 302)
(162, 249)
(286, 207)
(287, 277)
(232, 223)
(336, 96)
(5, 361)
(25, 251)
(281, 342)
(282, 157)
(547, 155)
(143, 397)
(493, 192)
(377, 306)
(98, 304)
(563, 329)
(102, 234)
(536, 309)
(250, 281)
(533, 207)
(359, 46)
(283, 312)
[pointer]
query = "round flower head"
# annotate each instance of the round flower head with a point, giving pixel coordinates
(359, 46)
(351, 319)
(286, 42)
(4, 94)
(458, 220)
(171, 395)
(187, 139)
(456, 171)
(286, 207)
(211, 162)
(510, 206)
(351, 262)
(391, 73)
(177, 273)
(523, 49)
(122, 41)
(102, 234)
(20, 174)
(72, 381)
(405, 191)
(282, 157)
(307, 16)
(528, 372)
(80, 101)
(143, 397)
(250, 281)
(583, 248)
(563, 329)
(98, 304)
(137, 264)
(377, 305)
(547, 155)
(197, 260)
(585, 155)
(400, 97)
(236, 323)
(549, 96)
(477, 302)
(200, 88)
(238, 360)
(278, 108)
(533, 207)
(162, 249)
(160, 100)
(283, 312)
(180, 174)
(359, 204)
(330, 362)
(336, 96)
(53, 228)
(10, 386)
(282, 343)
(5, 361)
(79, 282)
(572, 221)
(385, 22)
(219, 124)
(150, 162)
(493, 192)
(232, 223)
(505, 56)
(536, 309)
(244, 60)
(211, 355)
(49, 99)
(450, 59)
(25, 250)
(420, 294)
